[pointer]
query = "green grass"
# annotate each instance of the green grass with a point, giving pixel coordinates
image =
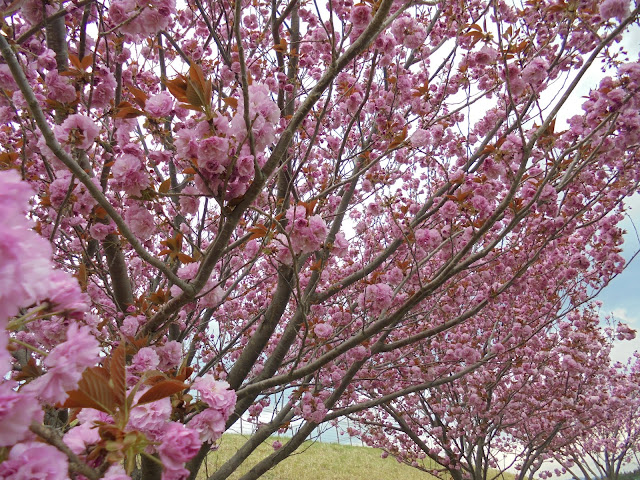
(316, 461)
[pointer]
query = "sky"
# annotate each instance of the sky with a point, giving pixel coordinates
(621, 298)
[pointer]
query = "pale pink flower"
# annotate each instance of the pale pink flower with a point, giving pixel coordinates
(6, 78)
(105, 91)
(140, 221)
(99, 231)
(617, 9)
(159, 105)
(216, 394)
(449, 210)
(180, 473)
(305, 234)
(5, 356)
(58, 189)
(360, 16)
(536, 72)
(375, 298)
(323, 330)
(60, 89)
(35, 460)
(264, 113)
(150, 418)
(65, 365)
(624, 332)
(213, 295)
(145, 359)
(65, 295)
(427, 238)
(189, 202)
(26, 264)
(80, 437)
(170, 355)
(210, 425)
(420, 138)
(79, 351)
(116, 472)
(486, 55)
(340, 245)
(77, 130)
(17, 412)
(129, 174)
(179, 445)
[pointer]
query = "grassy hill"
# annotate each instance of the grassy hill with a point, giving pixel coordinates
(317, 461)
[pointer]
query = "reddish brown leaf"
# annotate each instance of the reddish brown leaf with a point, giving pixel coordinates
(281, 47)
(82, 276)
(194, 96)
(316, 265)
(184, 373)
(7, 159)
(128, 112)
(184, 258)
(93, 391)
(257, 232)
(165, 186)
(139, 96)
(309, 206)
(118, 374)
(162, 390)
(86, 62)
(196, 75)
(29, 371)
(399, 139)
(75, 61)
(231, 101)
(155, 379)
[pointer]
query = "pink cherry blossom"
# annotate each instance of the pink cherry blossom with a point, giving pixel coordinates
(116, 472)
(78, 131)
(35, 460)
(26, 264)
(617, 9)
(60, 89)
(80, 437)
(360, 15)
(150, 418)
(129, 174)
(17, 412)
(375, 298)
(65, 365)
(179, 445)
(210, 424)
(323, 330)
(65, 295)
(402, 216)
(159, 105)
(216, 394)
(140, 220)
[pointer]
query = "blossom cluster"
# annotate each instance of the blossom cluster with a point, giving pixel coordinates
(220, 401)
(304, 234)
(222, 149)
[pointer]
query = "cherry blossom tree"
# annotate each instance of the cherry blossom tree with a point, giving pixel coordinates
(511, 414)
(603, 452)
(208, 205)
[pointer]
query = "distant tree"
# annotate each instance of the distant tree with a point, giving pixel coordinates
(509, 414)
(603, 452)
(297, 199)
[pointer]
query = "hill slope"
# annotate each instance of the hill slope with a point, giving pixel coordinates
(317, 461)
